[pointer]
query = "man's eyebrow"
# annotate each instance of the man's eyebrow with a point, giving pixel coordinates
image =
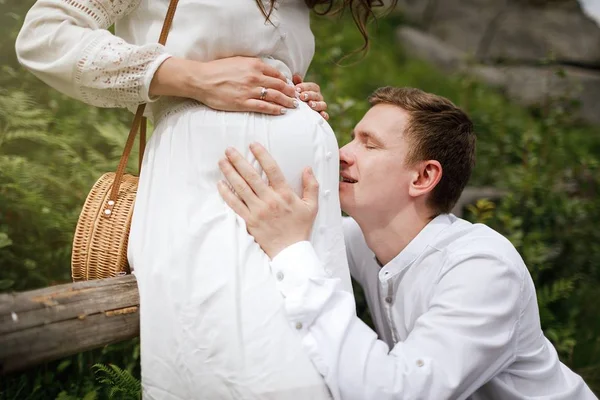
(367, 135)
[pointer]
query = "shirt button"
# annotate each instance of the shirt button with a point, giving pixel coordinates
(321, 120)
(328, 155)
(420, 363)
(279, 276)
(388, 300)
(283, 35)
(298, 325)
(328, 272)
(327, 193)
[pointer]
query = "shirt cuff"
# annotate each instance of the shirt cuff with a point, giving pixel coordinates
(295, 265)
(303, 283)
(149, 75)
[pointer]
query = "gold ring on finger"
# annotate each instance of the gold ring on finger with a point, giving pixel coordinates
(263, 93)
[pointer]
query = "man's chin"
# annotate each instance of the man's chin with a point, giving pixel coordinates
(346, 203)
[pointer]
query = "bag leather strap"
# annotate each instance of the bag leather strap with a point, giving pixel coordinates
(139, 122)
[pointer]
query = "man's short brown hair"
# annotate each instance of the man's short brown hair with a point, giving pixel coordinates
(437, 130)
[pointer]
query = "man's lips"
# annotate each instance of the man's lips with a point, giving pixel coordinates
(346, 178)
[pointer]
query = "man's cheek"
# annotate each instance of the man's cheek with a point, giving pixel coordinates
(379, 177)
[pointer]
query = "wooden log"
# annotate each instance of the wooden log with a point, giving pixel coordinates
(50, 323)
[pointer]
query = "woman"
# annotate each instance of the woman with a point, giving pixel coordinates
(212, 324)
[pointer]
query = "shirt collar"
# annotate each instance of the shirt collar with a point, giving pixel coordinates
(416, 246)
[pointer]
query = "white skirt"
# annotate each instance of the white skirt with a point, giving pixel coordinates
(213, 324)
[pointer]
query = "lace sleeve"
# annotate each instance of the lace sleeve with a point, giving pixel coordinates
(66, 44)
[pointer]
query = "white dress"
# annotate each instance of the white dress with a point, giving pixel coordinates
(212, 320)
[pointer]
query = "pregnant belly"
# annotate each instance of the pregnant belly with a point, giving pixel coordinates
(213, 324)
(203, 276)
(196, 137)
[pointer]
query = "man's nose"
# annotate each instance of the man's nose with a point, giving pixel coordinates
(346, 156)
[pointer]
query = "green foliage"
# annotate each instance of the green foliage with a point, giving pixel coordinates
(47, 166)
(121, 384)
(76, 377)
(53, 148)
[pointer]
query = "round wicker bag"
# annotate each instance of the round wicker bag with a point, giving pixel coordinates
(100, 243)
(102, 232)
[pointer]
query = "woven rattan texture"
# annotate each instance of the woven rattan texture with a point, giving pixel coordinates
(100, 243)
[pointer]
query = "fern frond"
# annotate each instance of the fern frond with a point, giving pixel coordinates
(559, 289)
(18, 110)
(119, 382)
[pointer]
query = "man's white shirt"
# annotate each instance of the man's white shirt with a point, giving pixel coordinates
(457, 307)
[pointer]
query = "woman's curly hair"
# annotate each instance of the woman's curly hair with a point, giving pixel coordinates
(362, 11)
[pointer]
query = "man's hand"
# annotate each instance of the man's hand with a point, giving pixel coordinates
(275, 215)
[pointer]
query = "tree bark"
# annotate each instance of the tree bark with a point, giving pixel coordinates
(54, 322)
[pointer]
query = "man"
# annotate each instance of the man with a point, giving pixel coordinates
(453, 300)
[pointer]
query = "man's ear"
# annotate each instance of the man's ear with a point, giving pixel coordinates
(426, 176)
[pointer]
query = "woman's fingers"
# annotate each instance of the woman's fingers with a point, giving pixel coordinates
(282, 86)
(311, 96)
(275, 92)
(310, 93)
(318, 105)
(269, 70)
(308, 87)
(297, 79)
(263, 107)
(244, 84)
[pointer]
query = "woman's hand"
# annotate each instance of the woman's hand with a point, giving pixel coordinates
(311, 93)
(229, 84)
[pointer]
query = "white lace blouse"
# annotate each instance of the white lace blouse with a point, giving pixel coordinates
(66, 43)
